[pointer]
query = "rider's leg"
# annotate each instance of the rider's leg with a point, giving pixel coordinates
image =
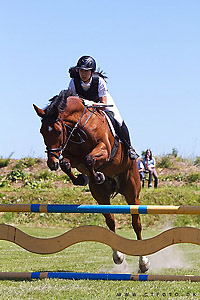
(127, 142)
(122, 130)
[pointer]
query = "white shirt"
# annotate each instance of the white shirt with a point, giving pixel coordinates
(102, 88)
(151, 162)
(102, 91)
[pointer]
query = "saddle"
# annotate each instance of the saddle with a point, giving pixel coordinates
(114, 128)
(113, 124)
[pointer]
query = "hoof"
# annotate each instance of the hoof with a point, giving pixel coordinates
(81, 180)
(118, 257)
(144, 265)
(101, 178)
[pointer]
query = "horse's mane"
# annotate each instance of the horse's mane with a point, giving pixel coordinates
(60, 101)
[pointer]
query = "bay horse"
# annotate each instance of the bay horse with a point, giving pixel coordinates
(78, 136)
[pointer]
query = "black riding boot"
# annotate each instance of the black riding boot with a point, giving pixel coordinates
(124, 136)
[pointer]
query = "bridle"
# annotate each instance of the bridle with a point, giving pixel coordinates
(64, 143)
(66, 139)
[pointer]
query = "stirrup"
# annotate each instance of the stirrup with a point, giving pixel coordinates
(132, 153)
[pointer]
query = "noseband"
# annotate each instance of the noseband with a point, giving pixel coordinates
(62, 147)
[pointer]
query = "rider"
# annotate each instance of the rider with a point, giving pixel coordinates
(91, 85)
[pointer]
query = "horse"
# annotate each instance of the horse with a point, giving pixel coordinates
(78, 136)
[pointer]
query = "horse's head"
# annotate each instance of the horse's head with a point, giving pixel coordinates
(53, 133)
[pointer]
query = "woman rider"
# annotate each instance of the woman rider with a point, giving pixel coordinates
(90, 85)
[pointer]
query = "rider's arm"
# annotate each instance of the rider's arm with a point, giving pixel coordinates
(102, 91)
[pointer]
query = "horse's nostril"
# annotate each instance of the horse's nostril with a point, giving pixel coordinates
(53, 166)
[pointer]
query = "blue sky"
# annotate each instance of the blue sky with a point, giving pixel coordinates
(149, 49)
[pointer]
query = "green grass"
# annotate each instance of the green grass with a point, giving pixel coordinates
(90, 257)
(197, 161)
(26, 162)
(165, 162)
(4, 162)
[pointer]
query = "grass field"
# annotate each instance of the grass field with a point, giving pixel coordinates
(95, 257)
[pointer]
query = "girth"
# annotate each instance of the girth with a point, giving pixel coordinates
(113, 153)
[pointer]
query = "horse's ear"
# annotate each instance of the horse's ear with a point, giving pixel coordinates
(39, 111)
(55, 111)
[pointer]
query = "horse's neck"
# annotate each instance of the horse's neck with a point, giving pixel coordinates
(74, 109)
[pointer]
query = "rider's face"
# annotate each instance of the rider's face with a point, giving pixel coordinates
(85, 75)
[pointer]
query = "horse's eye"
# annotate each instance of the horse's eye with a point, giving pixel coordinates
(50, 128)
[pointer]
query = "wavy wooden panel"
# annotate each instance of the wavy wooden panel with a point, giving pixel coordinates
(101, 235)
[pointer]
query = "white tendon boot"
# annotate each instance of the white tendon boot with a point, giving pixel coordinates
(118, 257)
(144, 264)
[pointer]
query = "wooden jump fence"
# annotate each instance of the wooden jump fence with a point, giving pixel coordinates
(99, 234)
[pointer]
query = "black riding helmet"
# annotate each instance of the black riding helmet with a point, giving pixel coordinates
(86, 63)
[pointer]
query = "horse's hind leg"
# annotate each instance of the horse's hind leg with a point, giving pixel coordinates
(102, 195)
(132, 197)
(144, 263)
(118, 257)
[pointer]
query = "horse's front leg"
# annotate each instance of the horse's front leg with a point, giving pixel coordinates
(65, 166)
(96, 158)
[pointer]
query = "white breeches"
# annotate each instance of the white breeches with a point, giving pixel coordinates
(113, 109)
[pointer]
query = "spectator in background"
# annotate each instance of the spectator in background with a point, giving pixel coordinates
(149, 163)
(141, 171)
